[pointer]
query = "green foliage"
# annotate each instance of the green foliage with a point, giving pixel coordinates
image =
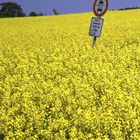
(41, 14)
(33, 14)
(11, 9)
(55, 86)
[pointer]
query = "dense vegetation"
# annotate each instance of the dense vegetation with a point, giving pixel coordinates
(55, 86)
(12, 9)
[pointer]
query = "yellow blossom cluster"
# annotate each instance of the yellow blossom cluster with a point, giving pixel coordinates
(55, 86)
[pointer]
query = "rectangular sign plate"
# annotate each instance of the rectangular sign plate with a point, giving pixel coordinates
(96, 27)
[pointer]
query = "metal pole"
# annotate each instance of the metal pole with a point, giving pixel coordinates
(94, 41)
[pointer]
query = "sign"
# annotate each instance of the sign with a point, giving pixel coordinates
(100, 7)
(96, 27)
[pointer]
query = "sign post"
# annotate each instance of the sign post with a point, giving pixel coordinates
(99, 8)
(94, 41)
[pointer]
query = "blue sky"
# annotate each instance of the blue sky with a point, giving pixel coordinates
(69, 6)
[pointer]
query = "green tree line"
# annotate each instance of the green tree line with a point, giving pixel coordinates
(12, 9)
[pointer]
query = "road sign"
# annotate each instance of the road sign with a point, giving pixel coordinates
(96, 27)
(100, 7)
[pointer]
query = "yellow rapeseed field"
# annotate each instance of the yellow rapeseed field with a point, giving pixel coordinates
(55, 86)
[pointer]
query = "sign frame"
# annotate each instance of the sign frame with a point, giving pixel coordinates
(91, 25)
(94, 7)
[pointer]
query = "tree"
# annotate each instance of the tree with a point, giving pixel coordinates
(11, 9)
(33, 14)
(55, 12)
(40, 14)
